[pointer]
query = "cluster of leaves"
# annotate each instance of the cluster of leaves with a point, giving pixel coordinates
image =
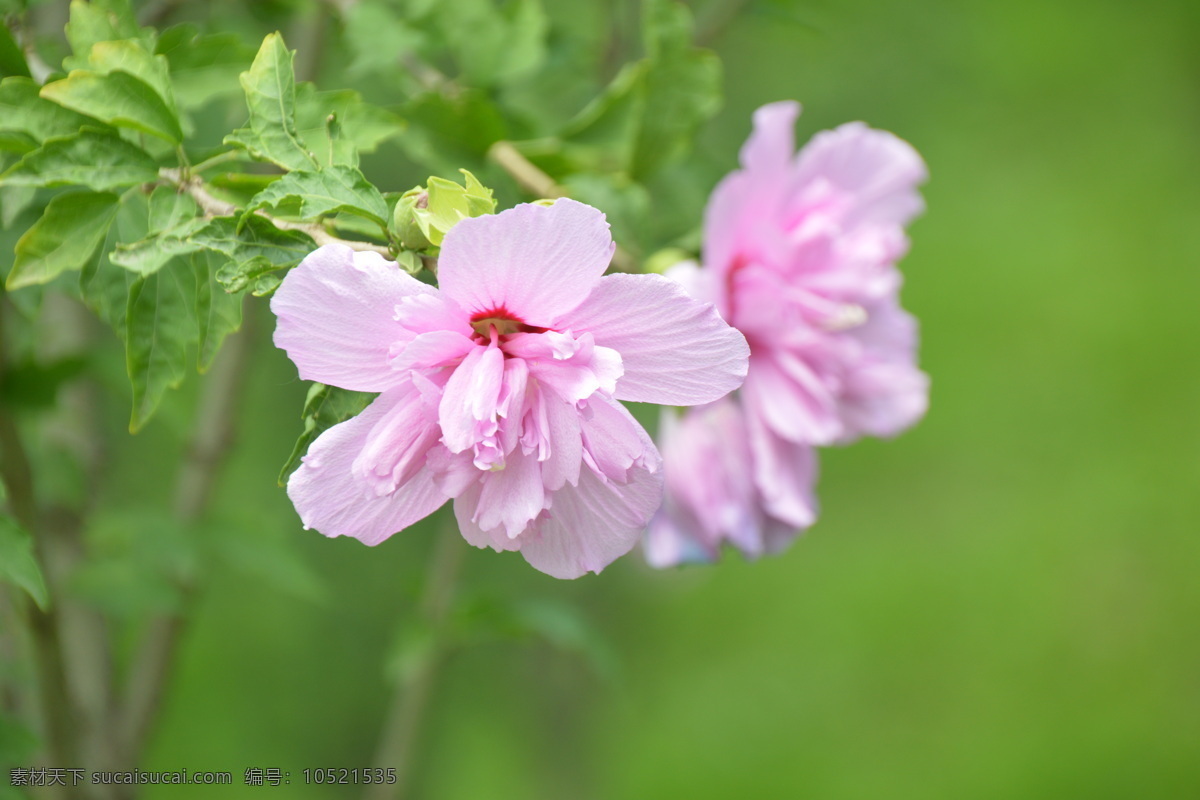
(548, 79)
(159, 256)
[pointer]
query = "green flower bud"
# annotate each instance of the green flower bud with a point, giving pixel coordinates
(448, 202)
(404, 221)
(410, 261)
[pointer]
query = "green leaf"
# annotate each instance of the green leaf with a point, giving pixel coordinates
(495, 44)
(256, 275)
(134, 59)
(325, 407)
(218, 313)
(98, 21)
(256, 237)
(171, 219)
(333, 190)
(150, 254)
(12, 60)
(13, 201)
(648, 114)
(117, 98)
(96, 159)
(203, 67)
(377, 36)
(23, 110)
(270, 90)
(160, 324)
(683, 87)
(18, 565)
(104, 285)
(69, 231)
(361, 127)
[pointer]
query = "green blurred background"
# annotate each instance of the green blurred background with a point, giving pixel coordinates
(1001, 603)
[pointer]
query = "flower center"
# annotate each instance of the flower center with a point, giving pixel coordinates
(502, 321)
(503, 325)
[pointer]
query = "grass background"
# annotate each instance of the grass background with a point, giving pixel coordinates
(1000, 603)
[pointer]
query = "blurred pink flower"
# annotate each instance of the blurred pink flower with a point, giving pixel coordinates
(712, 492)
(499, 389)
(799, 254)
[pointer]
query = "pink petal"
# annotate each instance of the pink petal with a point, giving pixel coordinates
(469, 400)
(330, 497)
(398, 443)
(534, 262)
(432, 312)
(883, 399)
(574, 367)
(790, 397)
(876, 169)
(675, 350)
(785, 474)
(336, 317)
(511, 497)
(614, 442)
(590, 525)
(565, 438)
(433, 349)
(466, 508)
(773, 142)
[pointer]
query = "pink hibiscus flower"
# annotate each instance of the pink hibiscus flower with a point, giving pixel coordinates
(500, 388)
(799, 254)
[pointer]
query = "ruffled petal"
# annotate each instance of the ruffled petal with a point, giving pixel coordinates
(432, 349)
(675, 350)
(876, 172)
(511, 497)
(532, 262)
(565, 439)
(336, 317)
(330, 497)
(590, 525)
(573, 366)
(786, 475)
(468, 406)
(614, 442)
(773, 142)
(792, 399)
(398, 444)
(466, 508)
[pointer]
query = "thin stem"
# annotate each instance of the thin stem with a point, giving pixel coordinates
(401, 730)
(524, 172)
(530, 178)
(212, 436)
(212, 207)
(217, 160)
(56, 706)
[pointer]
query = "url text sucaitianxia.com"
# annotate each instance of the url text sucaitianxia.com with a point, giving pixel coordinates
(58, 776)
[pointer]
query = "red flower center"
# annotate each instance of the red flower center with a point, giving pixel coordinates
(502, 321)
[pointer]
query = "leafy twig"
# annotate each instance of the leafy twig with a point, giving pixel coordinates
(212, 207)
